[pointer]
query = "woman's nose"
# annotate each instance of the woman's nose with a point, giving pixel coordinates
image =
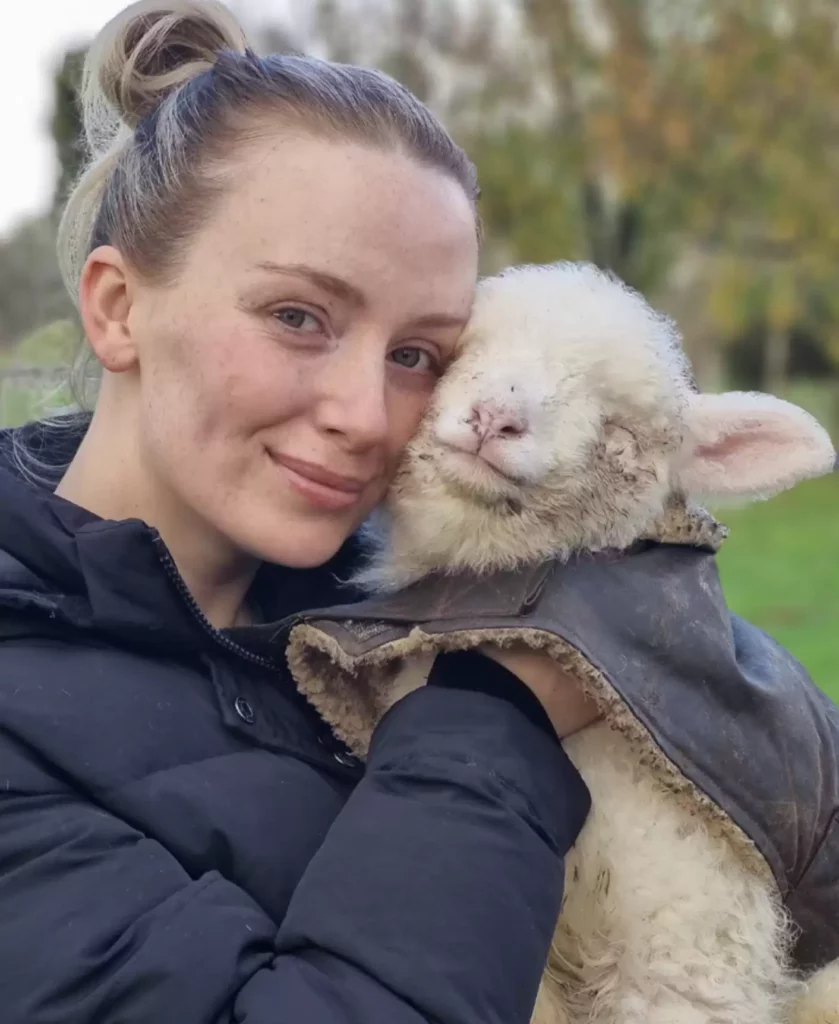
(353, 400)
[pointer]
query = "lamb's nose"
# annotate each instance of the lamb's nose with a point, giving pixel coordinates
(490, 420)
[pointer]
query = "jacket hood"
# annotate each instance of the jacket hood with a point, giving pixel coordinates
(117, 578)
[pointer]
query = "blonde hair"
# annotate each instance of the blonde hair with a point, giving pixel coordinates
(170, 87)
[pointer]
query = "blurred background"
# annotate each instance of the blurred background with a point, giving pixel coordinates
(690, 145)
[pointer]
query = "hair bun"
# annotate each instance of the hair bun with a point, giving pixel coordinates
(154, 46)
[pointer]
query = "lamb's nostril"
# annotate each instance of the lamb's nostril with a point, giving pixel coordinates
(491, 420)
(480, 419)
(511, 429)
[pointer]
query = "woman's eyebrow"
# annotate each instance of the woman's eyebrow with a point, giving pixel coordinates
(347, 292)
(328, 282)
(440, 320)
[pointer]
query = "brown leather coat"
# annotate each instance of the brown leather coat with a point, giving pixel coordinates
(726, 717)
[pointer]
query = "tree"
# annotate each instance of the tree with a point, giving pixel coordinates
(782, 137)
(31, 289)
(680, 127)
(66, 123)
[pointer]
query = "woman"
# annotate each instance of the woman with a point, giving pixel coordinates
(273, 260)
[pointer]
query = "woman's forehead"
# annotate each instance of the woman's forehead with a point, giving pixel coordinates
(356, 213)
(342, 188)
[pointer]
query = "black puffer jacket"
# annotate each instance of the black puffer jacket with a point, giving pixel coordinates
(182, 840)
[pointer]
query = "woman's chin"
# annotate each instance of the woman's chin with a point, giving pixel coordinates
(296, 542)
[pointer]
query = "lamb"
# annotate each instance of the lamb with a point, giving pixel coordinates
(569, 423)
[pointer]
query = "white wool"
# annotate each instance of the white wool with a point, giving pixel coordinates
(661, 924)
(571, 333)
(819, 1003)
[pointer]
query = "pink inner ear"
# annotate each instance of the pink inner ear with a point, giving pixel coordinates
(750, 445)
(760, 440)
(754, 460)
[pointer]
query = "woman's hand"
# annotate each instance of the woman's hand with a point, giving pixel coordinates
(562, 697)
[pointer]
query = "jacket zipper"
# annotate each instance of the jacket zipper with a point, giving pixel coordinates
(174, 575)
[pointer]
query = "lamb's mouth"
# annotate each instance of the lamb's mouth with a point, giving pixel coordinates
(474, 475)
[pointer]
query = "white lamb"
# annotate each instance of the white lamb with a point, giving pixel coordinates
(566, 424)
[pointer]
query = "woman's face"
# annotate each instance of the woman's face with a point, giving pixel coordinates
(278, 378)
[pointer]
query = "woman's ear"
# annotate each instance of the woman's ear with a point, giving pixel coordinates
(750, 445)
(105, 295)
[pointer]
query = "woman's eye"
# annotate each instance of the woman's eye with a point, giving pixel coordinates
(412, 358)
(297, 319)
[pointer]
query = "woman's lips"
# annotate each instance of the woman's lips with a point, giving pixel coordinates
(320, 486)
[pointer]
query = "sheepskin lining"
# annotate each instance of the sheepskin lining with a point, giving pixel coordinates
(352, 693)
(687, 525)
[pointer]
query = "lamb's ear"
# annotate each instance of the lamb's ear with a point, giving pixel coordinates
(748, 445)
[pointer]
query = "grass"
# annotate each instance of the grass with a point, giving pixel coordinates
(780, 570)
(52, 346)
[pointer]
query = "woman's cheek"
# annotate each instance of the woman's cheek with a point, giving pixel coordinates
(407, 412)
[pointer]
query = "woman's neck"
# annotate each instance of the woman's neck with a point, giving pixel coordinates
(217, 575)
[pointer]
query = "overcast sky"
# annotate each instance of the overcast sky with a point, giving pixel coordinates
(36, 33)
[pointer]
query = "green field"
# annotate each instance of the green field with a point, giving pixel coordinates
(780, 570)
